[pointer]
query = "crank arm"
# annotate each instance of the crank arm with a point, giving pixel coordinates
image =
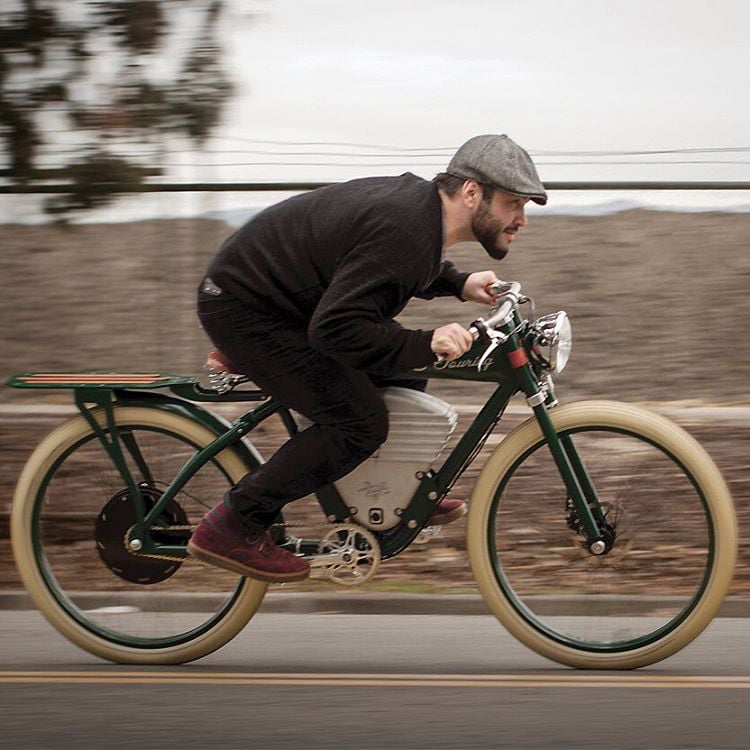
(326, 560)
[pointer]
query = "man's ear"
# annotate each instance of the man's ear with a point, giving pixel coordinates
(471, 194)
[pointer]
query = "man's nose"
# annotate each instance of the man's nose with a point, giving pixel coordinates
(521, 219)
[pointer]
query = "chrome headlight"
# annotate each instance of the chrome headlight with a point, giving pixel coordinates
(550, 339)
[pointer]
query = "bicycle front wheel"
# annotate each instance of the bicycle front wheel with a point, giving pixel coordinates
(71, 512)
(669, 559)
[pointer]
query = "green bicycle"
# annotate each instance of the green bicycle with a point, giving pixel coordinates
(600, 534)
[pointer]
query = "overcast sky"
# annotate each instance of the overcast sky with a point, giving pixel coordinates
(556, 75)
(402, 83)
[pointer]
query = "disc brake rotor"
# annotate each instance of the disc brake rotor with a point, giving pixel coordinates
(348, 554)
(113, 523)
(620, 542)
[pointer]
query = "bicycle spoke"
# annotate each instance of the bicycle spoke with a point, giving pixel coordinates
(645, 582)
(81, 523)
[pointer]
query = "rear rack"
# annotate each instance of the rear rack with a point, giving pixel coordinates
(105, 380)
(185, 386)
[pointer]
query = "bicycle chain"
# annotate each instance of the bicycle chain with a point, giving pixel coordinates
(188, 558)
(170, 558)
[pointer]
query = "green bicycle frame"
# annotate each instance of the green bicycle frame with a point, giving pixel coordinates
(508, 366)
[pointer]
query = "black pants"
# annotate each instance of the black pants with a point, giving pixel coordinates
(350, 420)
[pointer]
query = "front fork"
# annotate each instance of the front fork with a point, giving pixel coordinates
(578, 484)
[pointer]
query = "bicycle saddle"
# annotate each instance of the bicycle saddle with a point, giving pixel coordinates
(219, 362)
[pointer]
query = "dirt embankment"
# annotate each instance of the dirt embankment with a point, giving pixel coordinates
(659, 304)
(659, 301)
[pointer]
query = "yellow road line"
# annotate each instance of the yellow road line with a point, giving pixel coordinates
(634, 681)
(191, 673)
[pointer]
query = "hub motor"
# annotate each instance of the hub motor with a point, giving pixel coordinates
(114, 521)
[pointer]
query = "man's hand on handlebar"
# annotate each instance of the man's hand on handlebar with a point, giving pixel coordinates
(477, 287)
(451, 341)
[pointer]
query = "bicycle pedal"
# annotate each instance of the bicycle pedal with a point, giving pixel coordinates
(427, 534)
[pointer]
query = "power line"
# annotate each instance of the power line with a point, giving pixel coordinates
(426, 151)
(452, 149)
(550, 154)
(442, 164)
(722, 149)
(305, 153)
(344, 144)
(389, 156)
(191, 187)
(448, 150)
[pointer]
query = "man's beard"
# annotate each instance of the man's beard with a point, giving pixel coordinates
(487, 231)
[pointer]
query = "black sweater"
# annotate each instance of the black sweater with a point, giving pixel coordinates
(342, 262)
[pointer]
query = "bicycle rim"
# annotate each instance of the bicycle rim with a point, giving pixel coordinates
(67, 528)
(664, 573)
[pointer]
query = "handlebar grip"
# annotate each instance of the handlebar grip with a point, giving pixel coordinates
(499, 315)
(512, 292)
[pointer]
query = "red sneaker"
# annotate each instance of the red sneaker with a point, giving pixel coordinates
(221, 540)
(446, 511)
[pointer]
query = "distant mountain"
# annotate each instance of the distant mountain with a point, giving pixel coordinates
(145, 207)
(644, 203)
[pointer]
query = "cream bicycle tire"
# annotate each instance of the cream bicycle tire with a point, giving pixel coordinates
(622, 420)
(248, 594)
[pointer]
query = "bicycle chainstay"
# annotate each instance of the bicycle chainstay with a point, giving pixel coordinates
(191, 528)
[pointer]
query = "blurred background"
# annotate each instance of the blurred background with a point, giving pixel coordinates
(131, 134)
(135, 136)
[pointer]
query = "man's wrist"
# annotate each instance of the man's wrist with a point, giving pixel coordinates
(460, 289)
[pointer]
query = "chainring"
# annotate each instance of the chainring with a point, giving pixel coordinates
(112, 525)
(348, 555)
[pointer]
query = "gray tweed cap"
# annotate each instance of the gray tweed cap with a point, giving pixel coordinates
(497, 160)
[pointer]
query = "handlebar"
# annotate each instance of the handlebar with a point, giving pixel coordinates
(509, 294)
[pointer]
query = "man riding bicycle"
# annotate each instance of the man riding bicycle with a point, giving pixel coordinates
(302, 299)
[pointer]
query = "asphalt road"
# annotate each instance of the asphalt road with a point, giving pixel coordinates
(375, 681)
(369, 681)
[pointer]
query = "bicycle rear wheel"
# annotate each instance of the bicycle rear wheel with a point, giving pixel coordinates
(669, 560)
(71, 511)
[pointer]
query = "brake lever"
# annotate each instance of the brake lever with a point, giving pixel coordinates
(488, 336)
(495, 339)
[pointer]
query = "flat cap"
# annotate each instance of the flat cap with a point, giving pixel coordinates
(498, 161)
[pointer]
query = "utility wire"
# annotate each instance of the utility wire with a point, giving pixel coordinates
(452, 149)
(437, 164)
